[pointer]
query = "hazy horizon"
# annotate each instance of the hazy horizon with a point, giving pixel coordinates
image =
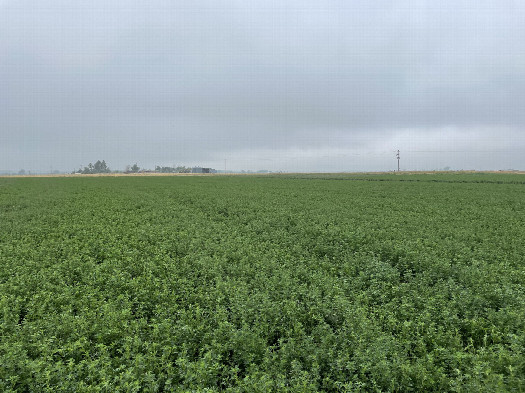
(298, 86)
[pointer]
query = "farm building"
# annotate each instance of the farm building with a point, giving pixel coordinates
(198, 169)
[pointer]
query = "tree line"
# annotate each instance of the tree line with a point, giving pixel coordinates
(98, 167)
(101, 167)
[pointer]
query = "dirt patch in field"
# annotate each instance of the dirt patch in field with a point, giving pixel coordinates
(127, 174)
(260, 174)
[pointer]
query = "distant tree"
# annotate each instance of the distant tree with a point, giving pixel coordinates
(169, 169)
(22, 172)
(135, 168)
(99, 167)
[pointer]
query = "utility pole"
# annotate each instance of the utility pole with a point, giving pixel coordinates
(397, 156)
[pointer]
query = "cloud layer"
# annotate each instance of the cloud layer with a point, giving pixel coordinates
(297, 85)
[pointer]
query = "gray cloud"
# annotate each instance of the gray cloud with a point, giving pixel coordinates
(296, 85)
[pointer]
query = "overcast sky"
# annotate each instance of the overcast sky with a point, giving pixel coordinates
(291, 85)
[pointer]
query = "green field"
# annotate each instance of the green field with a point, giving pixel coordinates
(253, 284)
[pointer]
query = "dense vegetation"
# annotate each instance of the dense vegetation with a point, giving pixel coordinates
(286, 283)
(99, 167)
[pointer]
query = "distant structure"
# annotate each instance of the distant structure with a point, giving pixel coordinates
(198, 169)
